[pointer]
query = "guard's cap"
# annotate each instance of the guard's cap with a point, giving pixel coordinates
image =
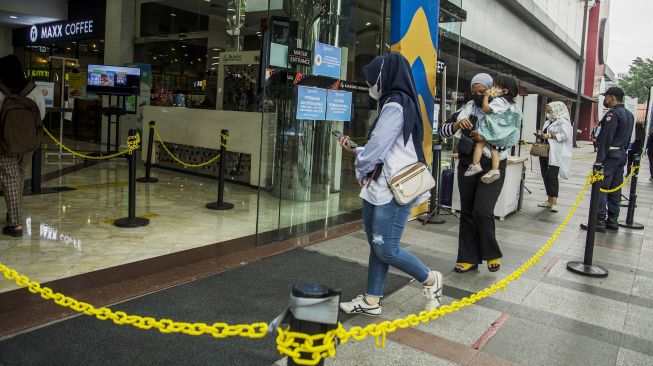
(614, 90)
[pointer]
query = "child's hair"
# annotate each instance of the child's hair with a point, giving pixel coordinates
(509, 83)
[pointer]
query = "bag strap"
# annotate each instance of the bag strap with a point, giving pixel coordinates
(27, 89)
(5, 90)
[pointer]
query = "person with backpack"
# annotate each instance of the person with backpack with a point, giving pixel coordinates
(22, 109)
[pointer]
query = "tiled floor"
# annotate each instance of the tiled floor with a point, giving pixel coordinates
(72, 232)
(554, 317)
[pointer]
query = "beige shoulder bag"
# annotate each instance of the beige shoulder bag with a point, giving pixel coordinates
(410, 183)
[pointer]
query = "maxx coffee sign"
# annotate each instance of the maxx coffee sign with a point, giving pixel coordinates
(65, 31)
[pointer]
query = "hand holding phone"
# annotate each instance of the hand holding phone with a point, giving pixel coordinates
(340, 136)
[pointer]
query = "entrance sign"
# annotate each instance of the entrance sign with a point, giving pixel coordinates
(298, 56)
(311, 103)
(327, 60)
(338, 106)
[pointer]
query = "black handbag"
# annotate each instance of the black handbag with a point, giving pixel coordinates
(466, 144)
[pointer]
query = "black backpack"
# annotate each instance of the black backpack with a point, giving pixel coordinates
(20, 122)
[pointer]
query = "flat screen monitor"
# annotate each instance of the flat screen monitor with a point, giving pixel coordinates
(113, 80)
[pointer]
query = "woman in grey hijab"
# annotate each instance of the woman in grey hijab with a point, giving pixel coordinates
(476, 236)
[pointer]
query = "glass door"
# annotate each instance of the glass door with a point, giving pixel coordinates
(309, 182)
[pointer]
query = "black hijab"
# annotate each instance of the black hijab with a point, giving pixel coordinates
(12, 74)
(398, 85)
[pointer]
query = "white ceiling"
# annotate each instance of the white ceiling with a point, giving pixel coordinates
(31, 11)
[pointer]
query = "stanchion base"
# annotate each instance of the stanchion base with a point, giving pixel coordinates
(47, 190)
(131, 222)
(147, 180)
(633, 225)
(588, 271)
(432, 220)
(220, 206)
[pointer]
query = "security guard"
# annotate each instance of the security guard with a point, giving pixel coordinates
(616, 130)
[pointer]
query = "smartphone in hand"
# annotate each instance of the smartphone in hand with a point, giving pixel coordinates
(339, 135)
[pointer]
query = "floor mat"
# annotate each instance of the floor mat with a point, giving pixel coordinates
(255, 292)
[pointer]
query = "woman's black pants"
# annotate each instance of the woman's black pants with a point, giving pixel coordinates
(476, 236)
(550, 177)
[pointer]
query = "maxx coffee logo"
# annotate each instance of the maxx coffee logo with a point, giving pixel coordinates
(60, 30)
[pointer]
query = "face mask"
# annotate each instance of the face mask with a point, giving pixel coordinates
(478, 100)
(605, 103)
(375, 93)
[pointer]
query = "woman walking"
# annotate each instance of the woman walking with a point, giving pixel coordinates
(395, 142)
(557, 132)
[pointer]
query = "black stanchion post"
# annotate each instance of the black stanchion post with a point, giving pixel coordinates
(131, 220)
(36, 171)
(586, 268)
(148, 162)
(313, 310)
(632, 200)
(221, 204)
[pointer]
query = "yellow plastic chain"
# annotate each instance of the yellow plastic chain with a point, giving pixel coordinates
(297, 345)
(217, 330)
(133, 144)
(623, 184)
(294, 344)
(183, 163)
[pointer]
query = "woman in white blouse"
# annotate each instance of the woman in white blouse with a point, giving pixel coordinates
(557, 132)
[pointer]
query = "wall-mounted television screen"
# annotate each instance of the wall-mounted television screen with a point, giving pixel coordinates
(113, 80)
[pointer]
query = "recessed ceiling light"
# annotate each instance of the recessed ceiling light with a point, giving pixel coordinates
(367, 24)
(173, 14)
(13, 17)
(183, 46)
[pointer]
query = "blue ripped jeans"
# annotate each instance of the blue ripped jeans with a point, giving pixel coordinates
(383, 226)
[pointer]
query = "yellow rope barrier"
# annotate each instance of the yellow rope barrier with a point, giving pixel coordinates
(181, 162)
(133, 143)
(294, 344)
(623, 184)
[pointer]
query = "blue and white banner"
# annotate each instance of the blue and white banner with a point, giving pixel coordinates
(338, 106)
(327, 60)
(311, 103)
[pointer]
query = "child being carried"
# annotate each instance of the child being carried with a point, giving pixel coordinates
(500, 128)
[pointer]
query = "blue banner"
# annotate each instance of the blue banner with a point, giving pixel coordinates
(311, 103)
(338, 106)
(327, 60)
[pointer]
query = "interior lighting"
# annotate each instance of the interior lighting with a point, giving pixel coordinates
(13, 17)
(368, 24)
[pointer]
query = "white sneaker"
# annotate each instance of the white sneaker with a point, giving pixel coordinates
(491, 176)
(434, 293)
(473, 170)
(360, 306)
(554, 208)
(544, 204)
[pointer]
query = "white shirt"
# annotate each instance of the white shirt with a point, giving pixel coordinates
(561, 146)
(500, 105)
(34, 95)
(386, 145)
(466, 111)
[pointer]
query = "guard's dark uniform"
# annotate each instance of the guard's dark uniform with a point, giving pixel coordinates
(616, 130)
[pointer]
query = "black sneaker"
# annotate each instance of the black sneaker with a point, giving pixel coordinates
(600, 227)
(12, 231)
(612, 224)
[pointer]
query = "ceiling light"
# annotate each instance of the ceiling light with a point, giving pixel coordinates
(173, 48)
(216, 57)
(173, 14)
(215, 63)
(13, 17)
(368, 24)
(183, 46)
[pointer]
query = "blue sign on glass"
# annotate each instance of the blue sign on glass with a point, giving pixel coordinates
(326, 60)
(311, 103)
(338, 106)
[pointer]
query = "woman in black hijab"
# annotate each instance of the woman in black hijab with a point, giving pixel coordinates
(395, 141)
(12, 167)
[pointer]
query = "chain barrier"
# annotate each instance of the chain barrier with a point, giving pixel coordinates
(183, 163)
(623, 184)
(293, 344)
(133, 144)
(217, 330)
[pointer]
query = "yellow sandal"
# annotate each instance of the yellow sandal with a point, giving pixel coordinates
(494, 265)
(465, 267)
